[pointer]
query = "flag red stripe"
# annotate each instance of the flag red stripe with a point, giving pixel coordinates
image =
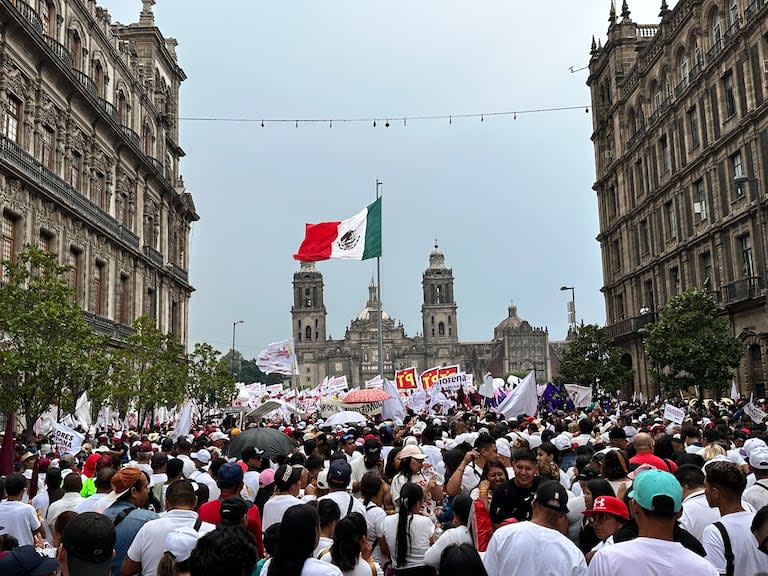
(317, 242)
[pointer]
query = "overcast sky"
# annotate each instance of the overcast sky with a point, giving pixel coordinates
(509, 200)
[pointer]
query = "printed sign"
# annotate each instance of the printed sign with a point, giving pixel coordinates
(406, 379)
(431, 376)
(68, 440)
(754, 413)
(454, 381)
(674, 414)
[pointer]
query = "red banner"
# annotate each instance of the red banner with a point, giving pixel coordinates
(429, 377)
(406, 379)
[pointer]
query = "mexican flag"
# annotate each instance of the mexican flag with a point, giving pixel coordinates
(356, 238)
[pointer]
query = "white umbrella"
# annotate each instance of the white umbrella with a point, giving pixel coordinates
(345, 417)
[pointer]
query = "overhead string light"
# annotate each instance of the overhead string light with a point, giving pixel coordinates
(405, 119)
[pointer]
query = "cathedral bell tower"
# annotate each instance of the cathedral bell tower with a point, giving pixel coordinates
(308, 311)
(438, 312)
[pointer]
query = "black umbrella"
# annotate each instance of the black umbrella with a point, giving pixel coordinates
(272, 441)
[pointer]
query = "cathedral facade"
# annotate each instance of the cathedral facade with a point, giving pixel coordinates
(516, 345)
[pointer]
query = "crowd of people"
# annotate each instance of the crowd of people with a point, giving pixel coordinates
(567, 493)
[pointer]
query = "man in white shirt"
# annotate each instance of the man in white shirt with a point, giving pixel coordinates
(339, 475)
(697, 513)
(17, 518)
(184, 448)
(731, 547)
(467, 476)
(72, 485)
(656, 499)
(201, 459)
(103, 484)
(148, 547)
(519, 549)
(757, 494)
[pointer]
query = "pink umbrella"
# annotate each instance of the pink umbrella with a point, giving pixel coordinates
(367, 395)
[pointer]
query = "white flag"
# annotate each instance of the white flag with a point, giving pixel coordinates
(184, 421)
(279, 357)
(522, 400)
(734, 391)
(83, 410)
(581, 395)
(67, 440)
(392, 409)
(486, 388)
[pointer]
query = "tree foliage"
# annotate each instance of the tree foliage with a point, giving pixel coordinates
(691, 344)
(210, 382)
(48, 353)
(247, 371)
(591, 358)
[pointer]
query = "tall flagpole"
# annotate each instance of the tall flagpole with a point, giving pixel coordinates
(378, 297)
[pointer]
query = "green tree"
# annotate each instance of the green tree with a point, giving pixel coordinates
(591, 358)
(210, 382)
(691, 344)
(150, 370)
(247, 371)
(48, 353)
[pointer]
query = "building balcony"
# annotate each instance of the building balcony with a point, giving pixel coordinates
(110, 109)
(714, 52)
(742, 290)
(107, 327)
(132, 135)
(61, 51)
(15, 158)
(179, 273)
(28, 13)
(86, 81)
(753, 9)
(155, 256)
(629, 326)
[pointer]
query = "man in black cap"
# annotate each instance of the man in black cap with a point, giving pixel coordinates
(87, 545)
(339, 475)
(516, 548)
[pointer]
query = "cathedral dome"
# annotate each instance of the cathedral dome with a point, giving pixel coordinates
(372, 306)
(511, 322)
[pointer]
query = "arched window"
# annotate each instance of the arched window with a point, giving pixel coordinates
(122, 108)
(441, 329)
(308, 333)
(717, 28)
(147, 138)
(98, 78)
(48, 17)
(76, 49)
(755, 370)
(632, 121)
(682, 68)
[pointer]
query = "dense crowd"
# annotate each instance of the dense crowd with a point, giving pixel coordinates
(579, 492)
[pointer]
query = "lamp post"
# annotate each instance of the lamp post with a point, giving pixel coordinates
(741, 180)
(571, 306)
(234, 325)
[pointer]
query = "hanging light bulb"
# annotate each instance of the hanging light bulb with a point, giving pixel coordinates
(405, 122)
(586, 110)
(297, 123)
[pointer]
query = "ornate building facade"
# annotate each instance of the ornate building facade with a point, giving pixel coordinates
(515, 347)
(680, 121)
(89, 158)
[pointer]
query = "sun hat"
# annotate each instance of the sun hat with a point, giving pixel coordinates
(412, 452)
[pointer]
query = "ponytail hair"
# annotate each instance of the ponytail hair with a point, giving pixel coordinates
(410, 495)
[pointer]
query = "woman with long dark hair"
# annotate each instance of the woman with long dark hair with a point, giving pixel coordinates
(459, 534)
(409, 534)
(345, 553)
(301, 529)
(374, 490)
(460, 560)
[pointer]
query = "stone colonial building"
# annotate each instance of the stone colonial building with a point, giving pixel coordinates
(680, 136)
(516, 346)
(89, 158)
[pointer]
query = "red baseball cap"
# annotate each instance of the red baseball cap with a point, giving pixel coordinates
(608, 505)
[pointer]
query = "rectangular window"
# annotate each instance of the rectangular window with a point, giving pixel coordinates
(123, 295)
(617, 256)
(9, 242)
(75, 170)
(674, 280)
(705, 266)
(648, 294)
(730, 94)
(644, 238)
(619, 304)
(74, 271)
(671, 220)
(11, 119)
(747, 263)
(738, 170)
(693, 127)
(699, 202)
(46, 241)
(98, 289)
(639, 178)
(666, 157)
(100, 190)
(46, 148)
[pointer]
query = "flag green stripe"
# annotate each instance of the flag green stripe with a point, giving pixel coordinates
(373, 231)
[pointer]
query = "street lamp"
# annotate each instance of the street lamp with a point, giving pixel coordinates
(234, 325)
(740, 180)
(571, 306)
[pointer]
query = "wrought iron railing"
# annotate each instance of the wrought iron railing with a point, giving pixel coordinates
(742, 289)
(86, 81)
(61, 51)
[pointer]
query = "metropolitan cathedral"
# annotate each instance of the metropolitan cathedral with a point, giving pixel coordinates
(516, 345)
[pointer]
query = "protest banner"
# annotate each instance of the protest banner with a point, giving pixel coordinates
(66, 439)
(454, 381)
(406, 379)
(430, 377)
(674, 414)
(754, 412)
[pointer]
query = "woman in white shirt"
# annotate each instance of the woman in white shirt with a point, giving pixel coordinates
(299, 530)
(409, 534)
(288, 483)
(459, 534)
(347, 547)
(412, 470)
(374, 489)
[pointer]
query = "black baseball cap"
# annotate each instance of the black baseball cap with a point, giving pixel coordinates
(233, 509)
(552, 495)
(89, 539)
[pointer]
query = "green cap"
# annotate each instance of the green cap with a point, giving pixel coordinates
(651, 483)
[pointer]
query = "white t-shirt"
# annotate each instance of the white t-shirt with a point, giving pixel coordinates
(374, 516)
(69, 501)
(312, 567)
(527, 549)
(40, 504)
(344, 499)
(697, 514)
(250, 485)
(757, 494)
(323, 545)
(90, 504)
(275, 507)
(648, 557)
(458, 535)
(148, 546)
(471, 478)
(748, 560)
(362, 568)
(420, 530)
(19, 520)
(202, 477)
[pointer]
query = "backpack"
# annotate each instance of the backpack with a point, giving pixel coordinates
(727, 549)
